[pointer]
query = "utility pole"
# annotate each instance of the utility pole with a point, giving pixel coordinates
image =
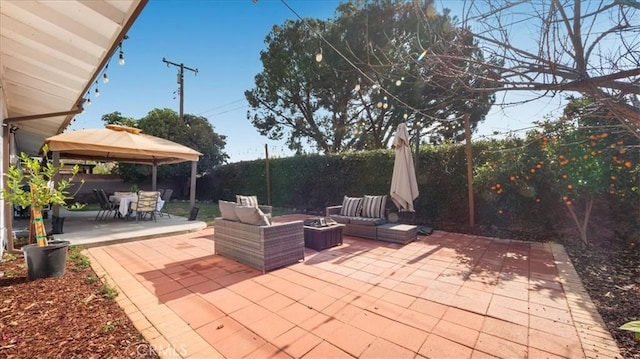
(180, 82)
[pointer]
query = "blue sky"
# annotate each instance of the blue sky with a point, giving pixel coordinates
(223, 40)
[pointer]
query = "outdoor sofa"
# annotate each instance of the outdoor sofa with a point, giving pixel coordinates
(365, 217)
(246, 234)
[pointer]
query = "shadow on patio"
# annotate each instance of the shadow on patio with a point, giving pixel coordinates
(443, 295)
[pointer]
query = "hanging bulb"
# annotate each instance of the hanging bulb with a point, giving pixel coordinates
(385, 105)
(319, 56)
(105, 78)
(97, 92)
(379, 104)
(398, 82)
(121, 58)
(88, 102)
(357, 88)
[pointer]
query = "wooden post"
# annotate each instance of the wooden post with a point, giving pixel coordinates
(8, 207)
(467, 136)
(266, 152)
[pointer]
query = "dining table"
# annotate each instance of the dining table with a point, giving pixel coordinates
(124, 200)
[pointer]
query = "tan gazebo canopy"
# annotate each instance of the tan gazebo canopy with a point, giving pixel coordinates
(123, 144)
(120, 144)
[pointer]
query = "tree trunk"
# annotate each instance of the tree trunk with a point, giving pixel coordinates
(584, 223)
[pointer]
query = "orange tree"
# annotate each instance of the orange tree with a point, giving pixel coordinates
(585, 158)
(569, 165)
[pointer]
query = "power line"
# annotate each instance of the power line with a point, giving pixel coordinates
(221, 106)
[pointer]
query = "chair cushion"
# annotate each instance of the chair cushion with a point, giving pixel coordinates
(228, 210)
(340, 219)
(363, 221)
(252, 215)
(351, 206)
(247, 201)
(373, 206)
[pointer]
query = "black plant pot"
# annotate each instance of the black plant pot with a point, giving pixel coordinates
(45, 262)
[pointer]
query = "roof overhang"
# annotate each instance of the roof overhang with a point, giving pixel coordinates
(50, 54)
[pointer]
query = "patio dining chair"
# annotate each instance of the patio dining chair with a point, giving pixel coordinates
(105, 205)
(109, 207)
(147, 203)
(166, 197)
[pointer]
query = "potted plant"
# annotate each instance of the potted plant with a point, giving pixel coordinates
(30, 185)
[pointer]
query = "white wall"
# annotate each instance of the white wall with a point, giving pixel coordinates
(3, 230)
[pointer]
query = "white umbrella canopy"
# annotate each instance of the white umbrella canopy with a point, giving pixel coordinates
(120, 144)
(404, 186)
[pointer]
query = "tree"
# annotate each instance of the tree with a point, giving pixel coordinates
(367, 82)
(550, 47)
(195, 132)
(583, 158)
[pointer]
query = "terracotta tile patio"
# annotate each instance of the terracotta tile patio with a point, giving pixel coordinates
(444, 296)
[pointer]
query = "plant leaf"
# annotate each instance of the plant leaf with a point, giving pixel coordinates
(632, 326)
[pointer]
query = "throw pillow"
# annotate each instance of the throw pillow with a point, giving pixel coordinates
(351, 206)
(247, 201)
(252, 215)
(373, 206)
(228, 210)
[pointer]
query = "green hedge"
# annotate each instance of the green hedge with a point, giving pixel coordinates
(312, 182)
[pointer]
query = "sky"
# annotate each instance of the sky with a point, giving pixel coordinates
(222, 39)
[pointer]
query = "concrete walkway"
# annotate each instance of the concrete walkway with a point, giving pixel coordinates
(444, 296)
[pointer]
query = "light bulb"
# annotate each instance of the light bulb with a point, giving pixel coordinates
(319, 56)
(97, 92)
(385, 105)
(379, 104)
(398, 82)
(88, 102)
(357, 88)
(121, 58)
(105, 78)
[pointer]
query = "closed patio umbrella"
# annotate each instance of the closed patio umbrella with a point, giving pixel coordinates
(404, 186)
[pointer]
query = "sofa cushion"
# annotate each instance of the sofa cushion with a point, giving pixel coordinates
(228, 210)
(373, 206)
(340, 219)
(247, 201)
(252, 215)
(351, 206)
(363, 221)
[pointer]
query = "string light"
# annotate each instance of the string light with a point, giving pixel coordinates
(97, 91)
(319, 56)
(105, 78)
(121, 57)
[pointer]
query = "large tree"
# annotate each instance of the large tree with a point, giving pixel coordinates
(589, 48)
(366, 83)
(194, 131)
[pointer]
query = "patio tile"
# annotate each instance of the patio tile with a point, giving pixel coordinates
(296, 342)
(195, 311)
(296, 313)
(371, 323)
(235, 277)
(508, 314)
(250, 314)
(251, 290)
(289, 289)
(439, 347)
(411, 289)
(478, 304)
(429, 307)
(240, 344)
(219, 329)
(481, 355)
(510, 331)
(456, 332)
(555, 314)
(271, 326)
(350, 339)
(397, 298)
(499, 347)
(268, 350)
(418, 320)
(317, 301)
(326, 350)
(381, 348)
(204, 287)
(386, 309)
(335, 291)
(464, 318)
(342, 311)
(405, 336)
(226, 300)
(566, 347)
(511, 303)
(540, 354)
(553, 327)
(276, 302)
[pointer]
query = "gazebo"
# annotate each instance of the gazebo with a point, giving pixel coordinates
(123, 144)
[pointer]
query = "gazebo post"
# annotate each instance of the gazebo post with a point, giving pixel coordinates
(192, 192)
(154, 176)
(55, 211)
